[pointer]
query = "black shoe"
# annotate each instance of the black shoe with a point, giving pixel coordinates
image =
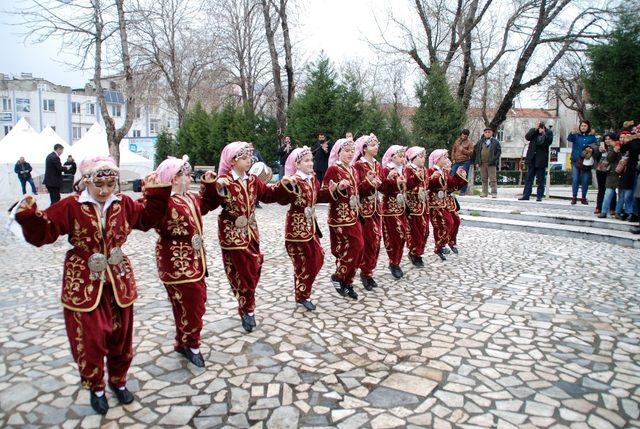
(523, 199)
(123, 395)
(441, 255)
(194, 358)
(416, 261)
(538, 199)
(454, 249)
(396, 271)
(366, 283)
(307, 304)
(445, 250)
(635, 230)
(337, 284)
(350, 292)
(252, 320)
(372, 282)
(99, 404)
(246, 322)
(258, 206)
(633, 218)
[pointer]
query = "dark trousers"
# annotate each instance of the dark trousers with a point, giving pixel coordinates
(320, 175)
(24, 182)
(601, 177)
(54, 194)
(537, 173)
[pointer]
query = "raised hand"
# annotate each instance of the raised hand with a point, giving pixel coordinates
(26, 203)
(343, 184)
(289, 180)
(222, 182)
(209, 176)
(461, 172)
(150, 180)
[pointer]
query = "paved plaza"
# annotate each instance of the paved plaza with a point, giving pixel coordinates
(518, 331)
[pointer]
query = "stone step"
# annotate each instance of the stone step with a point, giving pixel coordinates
(621, 238)
(552, 204)
(553, 218)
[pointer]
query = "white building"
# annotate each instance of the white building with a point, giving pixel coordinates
(71, 112)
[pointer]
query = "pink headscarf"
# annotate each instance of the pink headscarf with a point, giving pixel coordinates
(361, 142)
(93, 166)
(414, 151)
(168, 168)
(335, 150)
(229, 152)
(393, 149)
(294, 157)
(435, 156)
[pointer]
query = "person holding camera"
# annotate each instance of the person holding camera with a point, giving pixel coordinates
(284, 151)
(537, 159)
(321, 156)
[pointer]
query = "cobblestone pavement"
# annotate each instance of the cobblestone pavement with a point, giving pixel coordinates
(519, 330)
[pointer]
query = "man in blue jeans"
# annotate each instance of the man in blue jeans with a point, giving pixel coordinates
(537, 159)
(23, 170)
(580, 139)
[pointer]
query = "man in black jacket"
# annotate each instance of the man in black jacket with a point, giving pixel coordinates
(537, 159)
(486, 156)
(53, 173)
(321, 156)
(283, 153)
(23, 170)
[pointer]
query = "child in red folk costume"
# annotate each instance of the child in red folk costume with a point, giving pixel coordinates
(454, 184)
(238, 193)
(340, 188)
(417, 206)
(369, 174)
(302, 237)
(394, 222)
(98, 287)
(439, 183)
(180, 256)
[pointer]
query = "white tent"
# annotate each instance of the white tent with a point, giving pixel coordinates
(94, 143)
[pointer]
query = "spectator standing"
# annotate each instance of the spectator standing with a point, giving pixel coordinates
(53, 173)
(23, 170)
(537, 159)
(602, 171)
(612, 180)
(486, 156)
(321, 156)
(461, 155)
(70, 166)
(580, 139)
(630, 150)
(284, 151)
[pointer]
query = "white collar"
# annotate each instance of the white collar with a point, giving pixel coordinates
(303, 175)
(236, 176)
(394, 166)
(363, 159)
(85, 197)
(415, 167)
(439, 169)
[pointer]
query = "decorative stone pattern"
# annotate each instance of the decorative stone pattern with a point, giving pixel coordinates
(519, 330)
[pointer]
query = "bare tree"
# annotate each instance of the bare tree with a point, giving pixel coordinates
(275, 65)
(288, 52)
(88, 27)
(170, 41)
(567, 85)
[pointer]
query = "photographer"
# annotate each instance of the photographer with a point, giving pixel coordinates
(283, 153)
(321, 156)
(537, 159)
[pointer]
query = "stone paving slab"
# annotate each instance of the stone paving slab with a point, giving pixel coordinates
(519, 330)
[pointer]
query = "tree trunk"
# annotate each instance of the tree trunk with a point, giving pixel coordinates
(288, 57)
(275, 68)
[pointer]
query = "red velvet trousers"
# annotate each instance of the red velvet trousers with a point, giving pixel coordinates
(307, 258)
(394, 232)
(188, 304)
(418, 232)
(106, 331)
(243, 267)
(453, 228)
(442, 223)
(346, 245)
(371, 234)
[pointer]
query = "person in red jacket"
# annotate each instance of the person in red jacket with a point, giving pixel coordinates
(300, 189)
(394, 221)
(340, 188)
(417, 206)
(98, 287)
(180, 256)
(452, 206)
(369, 173)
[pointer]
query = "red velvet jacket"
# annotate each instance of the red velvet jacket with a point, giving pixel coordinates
(369, 204)
(180, 254)
(237, 222)
(343, 205)
(416, 194)
(454, 183)
(81, 290)
(439, 186)
(301, 218)
(390, 190)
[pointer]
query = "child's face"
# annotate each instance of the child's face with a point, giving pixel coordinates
(398, 158)
(180, 182)
(242, 163)
(419, 160)
(101, 189)
(346, 154)
(442, 162)
(372, 148)
(306, 164)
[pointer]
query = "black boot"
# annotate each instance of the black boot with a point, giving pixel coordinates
(454, 249)
(416, 261)
(440, 253)
(246, 322)
(366, 282)
(337, 284)
(445, 251)
(194, 358)
(633, 218)
(636, 230)
(350, 292)
(396, 271)
(123, 395)
(372, 282)
(307, 304)
(99, 404)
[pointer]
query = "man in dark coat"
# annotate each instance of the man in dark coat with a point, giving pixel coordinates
(486, 157)
(537, 159)
(53, 173)
(283, 153)
(23, 170)
(321, 152)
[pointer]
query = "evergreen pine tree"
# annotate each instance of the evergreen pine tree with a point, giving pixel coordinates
(193, 136)
(165, 146)
(348, 111)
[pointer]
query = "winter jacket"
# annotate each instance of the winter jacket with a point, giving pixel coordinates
(494, 151)
(579, 142)
(632, 150)
(538, 150)
(613, 179)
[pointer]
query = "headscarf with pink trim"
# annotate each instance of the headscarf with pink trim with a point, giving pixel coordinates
(414, 151)
(231, 151)
(393, 149)
(168, 168)
(99, 166)
(294, 157)
(360, 143)
(435, 156)
(335, 150)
